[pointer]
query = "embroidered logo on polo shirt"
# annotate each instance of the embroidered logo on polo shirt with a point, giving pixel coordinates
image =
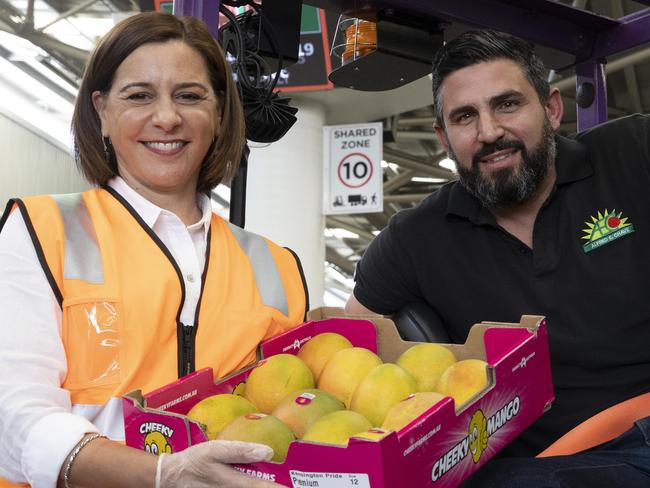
(605, 228)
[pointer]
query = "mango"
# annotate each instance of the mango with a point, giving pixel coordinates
(337, 427)
(320, 348)
(274, 378)
(426, 362)
(404, 412)
(382, 388)
(462, 380)
(302, 408)
(215, 411)
(345, 370)
(260, 428)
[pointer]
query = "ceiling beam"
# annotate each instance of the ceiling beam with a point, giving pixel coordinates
(378, 220)
(569, 83)
(634, 97)
(409, 121)
(415, 134)
(362, 233)
(397, 181)
(407, 161)
(29, 13)
(331, 256)
(68, 13)
(406, 198)
(71, 57)
(339, 289)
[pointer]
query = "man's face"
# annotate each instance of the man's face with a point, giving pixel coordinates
(497, 131)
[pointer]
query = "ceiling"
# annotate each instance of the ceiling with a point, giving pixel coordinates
(61, 32)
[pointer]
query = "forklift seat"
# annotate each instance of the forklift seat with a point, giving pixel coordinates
(419, 322)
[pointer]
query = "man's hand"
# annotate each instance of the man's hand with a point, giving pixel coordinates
(207, 465)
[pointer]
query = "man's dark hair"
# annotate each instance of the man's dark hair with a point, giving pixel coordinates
(479, 46)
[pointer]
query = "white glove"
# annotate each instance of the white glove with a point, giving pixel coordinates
(207, 465)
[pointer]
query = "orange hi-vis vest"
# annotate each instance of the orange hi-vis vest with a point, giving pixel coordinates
(121, 294)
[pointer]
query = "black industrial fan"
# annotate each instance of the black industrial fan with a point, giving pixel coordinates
(251, 44)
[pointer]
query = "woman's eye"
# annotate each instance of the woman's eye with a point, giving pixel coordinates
(139, 97)
(189, 97)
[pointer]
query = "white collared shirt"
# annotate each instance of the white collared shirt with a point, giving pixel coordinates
(187, 244)
(37, 426)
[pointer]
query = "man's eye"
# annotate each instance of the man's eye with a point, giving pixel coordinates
(509, 105)
(463, 118)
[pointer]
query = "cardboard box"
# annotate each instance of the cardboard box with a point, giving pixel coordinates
(440, 448)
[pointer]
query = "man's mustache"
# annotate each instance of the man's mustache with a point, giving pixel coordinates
(498, 145)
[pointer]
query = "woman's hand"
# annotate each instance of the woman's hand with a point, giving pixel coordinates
(207, 465)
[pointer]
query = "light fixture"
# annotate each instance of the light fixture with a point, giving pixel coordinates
(386, 164)
(404, 42)
(340, 233)
(428, 179)
(448, 164)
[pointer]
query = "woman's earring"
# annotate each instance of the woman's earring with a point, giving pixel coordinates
(107, 149)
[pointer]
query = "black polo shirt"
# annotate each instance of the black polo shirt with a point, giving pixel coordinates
(595, 292)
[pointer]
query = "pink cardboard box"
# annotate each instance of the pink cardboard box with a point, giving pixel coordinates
(440, 448)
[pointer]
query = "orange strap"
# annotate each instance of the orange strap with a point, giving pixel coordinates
(601, 428)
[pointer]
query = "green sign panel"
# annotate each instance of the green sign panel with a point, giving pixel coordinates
(309, 20)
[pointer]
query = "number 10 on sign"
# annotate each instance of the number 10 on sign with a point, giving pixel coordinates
(355, 170)
(352, 169)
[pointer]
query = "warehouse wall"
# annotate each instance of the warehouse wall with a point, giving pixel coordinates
(33, 164)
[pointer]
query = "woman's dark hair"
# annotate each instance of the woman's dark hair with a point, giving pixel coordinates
(223, 157)
(479, 46)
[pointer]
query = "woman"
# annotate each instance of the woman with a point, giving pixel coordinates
(136, 282)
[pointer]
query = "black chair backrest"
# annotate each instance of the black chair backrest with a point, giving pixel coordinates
(419, 322)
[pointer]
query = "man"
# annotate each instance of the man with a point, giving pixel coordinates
(537, 224)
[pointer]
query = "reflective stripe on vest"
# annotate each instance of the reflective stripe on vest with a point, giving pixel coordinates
(83, 260)
(267, 276)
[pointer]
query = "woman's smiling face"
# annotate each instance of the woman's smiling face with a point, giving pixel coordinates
(161, 115)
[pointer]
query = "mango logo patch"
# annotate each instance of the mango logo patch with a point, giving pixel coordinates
(475, 443)
(605, 228)
(156, 443)
(478, 435)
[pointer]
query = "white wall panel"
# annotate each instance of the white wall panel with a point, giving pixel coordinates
(284, 194)
(31, 164)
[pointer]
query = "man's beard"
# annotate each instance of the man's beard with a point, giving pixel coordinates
(509, 186)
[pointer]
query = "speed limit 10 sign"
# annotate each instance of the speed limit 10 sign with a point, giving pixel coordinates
(353, 176)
